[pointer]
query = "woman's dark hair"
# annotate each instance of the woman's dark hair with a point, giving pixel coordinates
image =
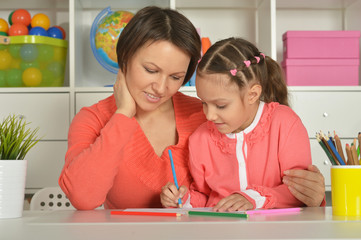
(230, 54)
(155, 24)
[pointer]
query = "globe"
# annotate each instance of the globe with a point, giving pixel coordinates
(104, 35)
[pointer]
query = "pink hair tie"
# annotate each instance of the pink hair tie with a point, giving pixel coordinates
(199, 60)
(247, 62)
(233, 72)
(264, 56)
(258, 59)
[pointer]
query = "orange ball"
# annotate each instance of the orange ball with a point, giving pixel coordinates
(4, 27)
(18, 29)
(21, 16)
(40, 20)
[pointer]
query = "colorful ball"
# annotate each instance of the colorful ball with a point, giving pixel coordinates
(40, 20)
(46, 53)
(18, 29)
(25, 65)
(3, 46)
(47, 78)
(3, 78)
(14, 78)
(56, 68)
(14, 50)
(4, 27)
(5, 60)
(55, 33)
(15, 63)
(3, 34)
(62, 31)
(9, 18)
(59, 54)
(28, 52)
(21, 16)
(38, 31)
(32, 77)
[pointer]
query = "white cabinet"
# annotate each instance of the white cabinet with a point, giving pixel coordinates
(260, 21)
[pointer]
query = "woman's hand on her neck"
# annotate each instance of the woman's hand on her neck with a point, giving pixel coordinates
(124, 101)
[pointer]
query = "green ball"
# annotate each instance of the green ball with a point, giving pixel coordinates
(56, 68)
(3, 34)
(3, 78)
(45, 53)
(14, 50)
(25, 65)
(14, 77)
(48, 78)
(10, 16)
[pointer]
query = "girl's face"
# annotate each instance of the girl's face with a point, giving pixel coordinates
(155, 73)
(231, 109)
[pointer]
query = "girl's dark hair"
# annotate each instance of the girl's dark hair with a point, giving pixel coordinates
(230, 54)
(155, 24)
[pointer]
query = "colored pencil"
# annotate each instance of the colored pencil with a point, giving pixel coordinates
(339, 146)
(159, 214)
(354, 153)
(218, 214)
(349, 155)
(329, 149)
(274, 211)
(334, 151)
(326, 150)
(359, 145)
(174, 176)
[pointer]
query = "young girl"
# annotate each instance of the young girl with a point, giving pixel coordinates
(237, 158)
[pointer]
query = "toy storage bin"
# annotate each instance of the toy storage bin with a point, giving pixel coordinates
(321, 72)
(32, 61)
(321, 44)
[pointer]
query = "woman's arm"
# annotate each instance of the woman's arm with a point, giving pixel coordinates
(308, 186)
(95, 148)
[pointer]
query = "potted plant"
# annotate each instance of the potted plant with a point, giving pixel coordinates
(16, 139)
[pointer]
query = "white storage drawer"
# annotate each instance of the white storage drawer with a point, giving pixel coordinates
(328, 111)
(319, 158)
(48, 111)
(45, 162)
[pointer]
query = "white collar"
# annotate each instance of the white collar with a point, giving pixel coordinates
(253, 124)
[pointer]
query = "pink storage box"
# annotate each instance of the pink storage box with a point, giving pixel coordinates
(321, 44)
(321, 72)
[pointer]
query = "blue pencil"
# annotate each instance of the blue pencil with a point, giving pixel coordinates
(328, 140)
(174, 175)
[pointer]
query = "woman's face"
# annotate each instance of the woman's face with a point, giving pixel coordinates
(155, 73)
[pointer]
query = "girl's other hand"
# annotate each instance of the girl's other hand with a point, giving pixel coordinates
(170, 195)
(308, 186)
(234, 202)
(124, 101)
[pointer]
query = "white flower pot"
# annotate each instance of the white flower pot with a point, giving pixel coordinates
(12, 187)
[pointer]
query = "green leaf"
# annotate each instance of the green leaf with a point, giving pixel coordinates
(15, 138)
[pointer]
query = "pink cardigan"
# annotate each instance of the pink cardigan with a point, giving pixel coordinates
(251, 162)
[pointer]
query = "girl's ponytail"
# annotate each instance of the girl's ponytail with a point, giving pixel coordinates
(274, 88)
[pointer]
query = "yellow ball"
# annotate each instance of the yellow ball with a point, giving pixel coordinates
(32, 77)
(5, 59)
(40, 20)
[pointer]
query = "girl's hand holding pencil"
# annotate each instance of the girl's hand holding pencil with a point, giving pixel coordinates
(170, 195)
(333, 149)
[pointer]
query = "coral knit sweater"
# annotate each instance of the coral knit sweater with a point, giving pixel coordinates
(110, 161)
(251, 162)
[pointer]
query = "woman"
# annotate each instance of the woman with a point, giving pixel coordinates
(117, 148)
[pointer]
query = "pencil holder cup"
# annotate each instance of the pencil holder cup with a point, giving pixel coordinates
(346, 190)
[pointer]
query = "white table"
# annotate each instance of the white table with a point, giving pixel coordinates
(311, 223)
